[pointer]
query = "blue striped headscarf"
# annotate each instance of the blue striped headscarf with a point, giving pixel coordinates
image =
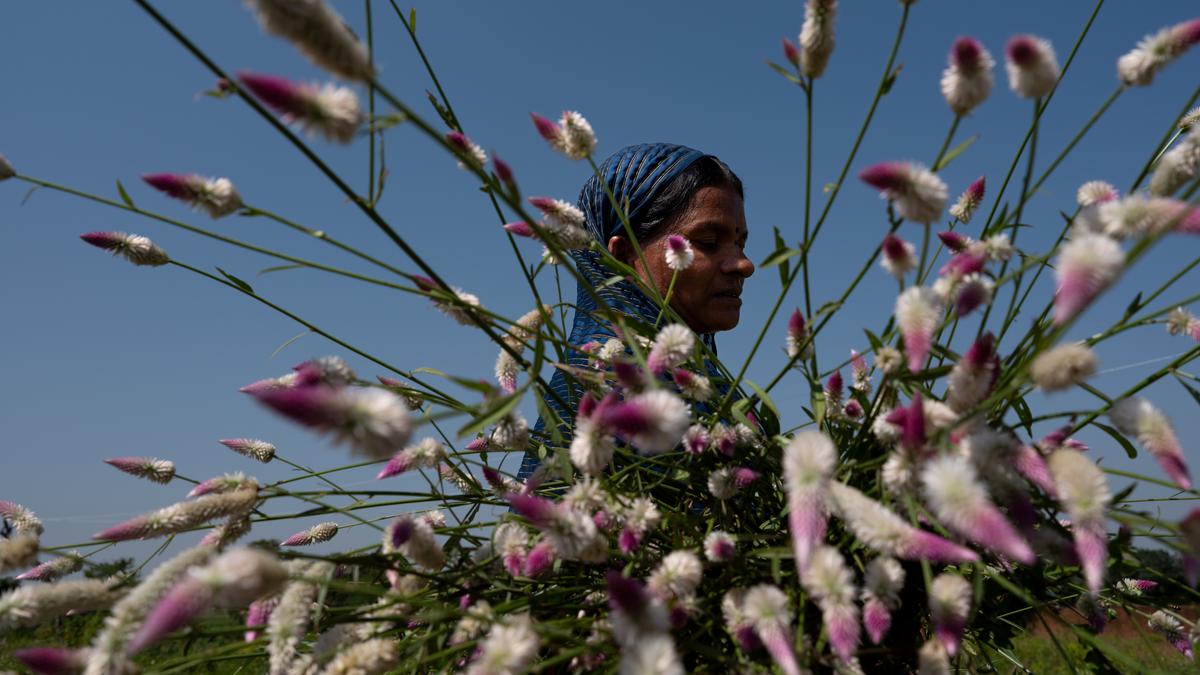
(636, 175)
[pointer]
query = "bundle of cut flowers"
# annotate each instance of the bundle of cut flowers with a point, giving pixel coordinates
(906, 520)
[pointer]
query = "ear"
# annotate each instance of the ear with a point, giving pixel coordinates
(619, 247)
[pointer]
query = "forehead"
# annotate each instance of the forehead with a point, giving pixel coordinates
(714, 208)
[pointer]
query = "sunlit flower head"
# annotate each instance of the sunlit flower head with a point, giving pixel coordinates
(969, 201)
(469, 152)
(654, 422)
(679, 253)
(1084, 494)
(677, 576)
(880, 529)
(1032, 66)
(511, 646)
(816, 36)
(765, 608)
(882, 583)
(1154, 52)
(183, 515)
(672, 346)
(456, 306)
(799, 345)
(719, 546)
(1173, 630)
(54, 569)
(1063, 366)
(967, 80)
(373, 421)
(916, 192)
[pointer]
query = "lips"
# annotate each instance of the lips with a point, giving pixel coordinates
(732, 294)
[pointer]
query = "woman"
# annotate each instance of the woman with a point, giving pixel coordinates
(670, 189)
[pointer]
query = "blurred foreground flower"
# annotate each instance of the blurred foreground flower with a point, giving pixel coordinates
(215, 196)
(318, 32)
(1154, 52)
(328, 109)
(917, 193)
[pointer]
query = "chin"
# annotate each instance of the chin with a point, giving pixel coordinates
(725, 321)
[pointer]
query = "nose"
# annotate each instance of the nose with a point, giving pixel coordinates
(738, 264)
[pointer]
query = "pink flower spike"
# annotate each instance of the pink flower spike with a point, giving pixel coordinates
(899, 256)
(313, 535)
(808, 463)
(541, 512)
(257, 615)
(1087, 265)
(918, 313)
(187, 600)
(52, 660)
(958, 498)
(949, 604)
(791, 53)
(520, 228)
(853, 409)
(629, 540)
(744, 477)
(215, 196)
(1032, 66)
(540, 559)
(329, 110)
(877, 619)
(133, 247)
(1029, 463)
(152, 469)
(841, 624)
(1139, 418)
(256, 449)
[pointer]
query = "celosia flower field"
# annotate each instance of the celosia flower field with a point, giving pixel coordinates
(906, 521)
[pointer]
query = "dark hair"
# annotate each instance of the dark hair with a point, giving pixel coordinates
(708, 171)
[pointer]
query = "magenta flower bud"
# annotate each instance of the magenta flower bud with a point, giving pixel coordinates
(465, 600)
(743, 476)
(187, 600)
(1032, 466)
(478, 445)
(332, 111)
(400, 531)
(459, 141)
(834, 385)
(791, 53)
(953, 240)
(899, 256)
(514, 562)
(911, 421)
(964, 263)
(748, 640)
(628, 374)
(215, 196)
(966, 52)
(504, 172)
(548, 130)
(798, 344)
(537, 510)
(257, 615)
(853, 409)
(520, 228)
(52, 660)
(540, 559)
(314, 535)
(629, 540)
(495, 478)
(841, 624)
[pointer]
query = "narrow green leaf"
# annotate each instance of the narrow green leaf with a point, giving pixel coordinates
(955, 152)
(818, 406)
(781, 245)
(412, 19)
(1190, 389)
(1023, 412)
(779, 256)
(499, 408)
(124, 195)
(1134, 305)
(787, 74)
(769, 417)
(829, 187)
(1129, 449)
(236, 281)
(277, 268)
(289, 341)
(890, 81)
(876, 343)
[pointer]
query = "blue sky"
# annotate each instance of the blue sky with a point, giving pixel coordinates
(105, 359)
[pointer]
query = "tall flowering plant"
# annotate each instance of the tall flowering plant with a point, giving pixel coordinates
(907, 520)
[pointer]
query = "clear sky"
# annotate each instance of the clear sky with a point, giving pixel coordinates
(105, 359)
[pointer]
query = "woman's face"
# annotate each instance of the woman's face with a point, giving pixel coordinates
(708, 294)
